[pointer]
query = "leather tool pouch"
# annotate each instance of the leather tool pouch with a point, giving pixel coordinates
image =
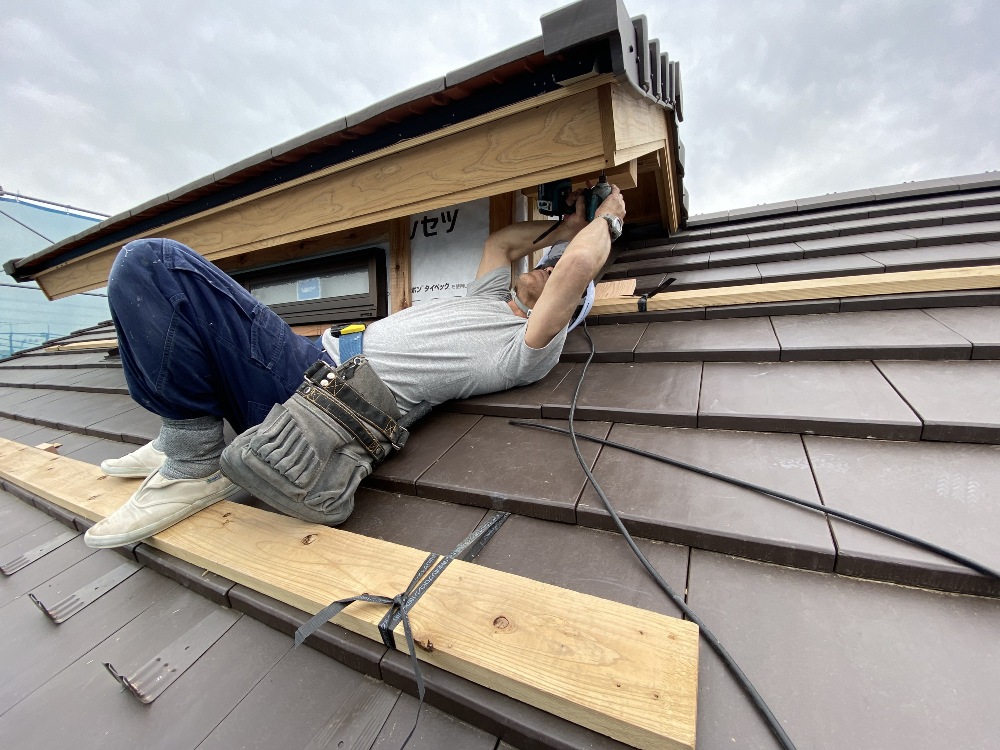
(308, 456)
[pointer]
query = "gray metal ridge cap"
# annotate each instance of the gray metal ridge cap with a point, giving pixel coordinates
(251, 161)
(915, 187)
(641, 27)
(412, 94)
(656, 85)
(978, 181)
(712, 217)
(494, 61)
(591, 20)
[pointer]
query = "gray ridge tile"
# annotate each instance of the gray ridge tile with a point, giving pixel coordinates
(842, 662)
(939, 256)
(736, 339)
(511, 54)
(980, 325)
(918, 187)
(824, 217)
(846, 399)
(711, 277)
(672, 504)
(888, 223)
(764, 253)
(835, 199)
(957, 401)
(428, 88)
(946, 494)
(978, 181)
(857, 243)
(765, 209)
(707, 218)
(747, 227)
(898, 334)
(949, 234)
(819, 267)
(718, 243)
(795, 234)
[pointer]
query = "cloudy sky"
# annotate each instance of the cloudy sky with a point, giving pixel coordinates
(107, 103)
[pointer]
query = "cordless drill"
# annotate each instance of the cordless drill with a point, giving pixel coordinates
(552, 197)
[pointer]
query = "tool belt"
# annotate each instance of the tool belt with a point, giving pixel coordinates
(308, 456)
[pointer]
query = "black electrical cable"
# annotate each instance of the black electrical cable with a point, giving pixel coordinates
(755, 697)
(864, 523)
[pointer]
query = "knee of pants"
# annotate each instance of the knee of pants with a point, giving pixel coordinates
(131, 262)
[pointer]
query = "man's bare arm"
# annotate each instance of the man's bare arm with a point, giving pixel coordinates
(578, 266)
(518, 240)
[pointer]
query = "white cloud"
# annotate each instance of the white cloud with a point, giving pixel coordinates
(110, 103)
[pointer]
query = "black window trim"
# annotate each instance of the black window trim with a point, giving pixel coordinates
(354, 307)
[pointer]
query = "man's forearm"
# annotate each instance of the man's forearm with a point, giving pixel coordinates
(518, 240)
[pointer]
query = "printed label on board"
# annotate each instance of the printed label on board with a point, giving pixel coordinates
(445, 249)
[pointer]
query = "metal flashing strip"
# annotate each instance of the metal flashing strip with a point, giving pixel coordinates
(75, 602)
(160, 672)
(22, 561)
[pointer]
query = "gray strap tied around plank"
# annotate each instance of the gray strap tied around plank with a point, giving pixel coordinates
(400, 605)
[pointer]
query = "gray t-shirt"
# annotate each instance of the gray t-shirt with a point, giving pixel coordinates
(455, 348)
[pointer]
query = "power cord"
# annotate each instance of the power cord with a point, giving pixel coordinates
(755, 697)
(752, 693)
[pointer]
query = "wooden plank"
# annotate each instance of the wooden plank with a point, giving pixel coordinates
(668, 217)
(400, 273)
(902, 282)
(614, 289)
(625, 672)
(637, 123)
(560, 138)
(83, 345)
(668, 163)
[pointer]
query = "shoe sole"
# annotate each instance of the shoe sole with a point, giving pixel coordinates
(137, 535)
(126, 474)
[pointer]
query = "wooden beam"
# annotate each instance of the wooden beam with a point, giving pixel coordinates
(669, 218)
(560, 138)
(627, 673)
(625, 176)
(502, 208)
(400, 273)
(902, 282)
(82, 345)
(632, 127)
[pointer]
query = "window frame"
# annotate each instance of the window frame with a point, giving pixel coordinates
(344, 309)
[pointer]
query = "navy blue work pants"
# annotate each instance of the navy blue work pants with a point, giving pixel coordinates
(194, 342)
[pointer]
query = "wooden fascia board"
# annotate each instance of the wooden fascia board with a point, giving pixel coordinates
(557, 134)
(627, 673)
(902, 282)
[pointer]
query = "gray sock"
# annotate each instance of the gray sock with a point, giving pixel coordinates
(193, 447)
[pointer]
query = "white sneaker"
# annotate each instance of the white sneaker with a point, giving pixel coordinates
(158, 504)
(139, 464)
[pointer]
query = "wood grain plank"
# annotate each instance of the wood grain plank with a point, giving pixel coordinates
(903, 282)
(625, 672)
(562, 137)
(400, 273)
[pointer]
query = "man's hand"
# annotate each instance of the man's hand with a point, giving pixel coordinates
(577, 267)
(614, 204)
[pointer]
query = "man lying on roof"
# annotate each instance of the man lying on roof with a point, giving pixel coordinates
(196, 348)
